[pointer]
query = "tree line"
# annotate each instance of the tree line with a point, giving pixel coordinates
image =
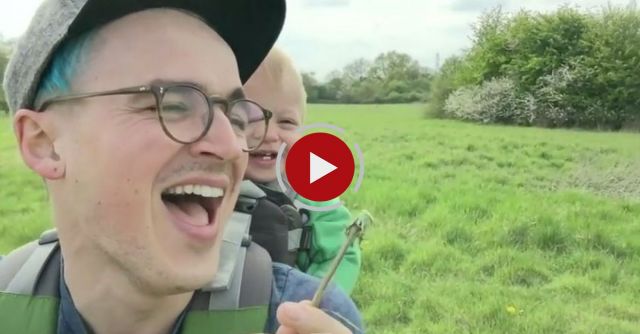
(392, 77)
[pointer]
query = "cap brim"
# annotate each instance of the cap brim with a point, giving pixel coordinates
(250, 27)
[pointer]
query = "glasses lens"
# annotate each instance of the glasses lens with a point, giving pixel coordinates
(185, 112)
(248, 121)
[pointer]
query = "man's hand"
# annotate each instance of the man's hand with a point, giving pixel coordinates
(302, 318)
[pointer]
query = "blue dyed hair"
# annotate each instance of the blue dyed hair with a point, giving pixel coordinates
(64, 66)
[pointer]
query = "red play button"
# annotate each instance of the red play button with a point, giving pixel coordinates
(320, 166)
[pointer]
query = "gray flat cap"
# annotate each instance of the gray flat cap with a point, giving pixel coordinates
(250, 27)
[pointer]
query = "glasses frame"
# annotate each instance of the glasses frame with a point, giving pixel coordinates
(158, 92)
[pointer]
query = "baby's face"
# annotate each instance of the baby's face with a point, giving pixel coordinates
(287, 107)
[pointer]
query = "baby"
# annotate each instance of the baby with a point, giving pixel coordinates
(277, 86)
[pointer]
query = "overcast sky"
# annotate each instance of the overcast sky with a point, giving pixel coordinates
(323, 35)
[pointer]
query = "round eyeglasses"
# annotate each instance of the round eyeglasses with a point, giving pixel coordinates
(186, 112)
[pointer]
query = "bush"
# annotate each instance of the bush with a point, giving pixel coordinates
(551, 101)
(565, 99)
(463, 104)
(495, 101)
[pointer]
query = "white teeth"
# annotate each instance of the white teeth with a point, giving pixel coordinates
(196, 189)
(264, 155)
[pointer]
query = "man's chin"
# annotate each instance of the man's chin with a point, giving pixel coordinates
(192, 270)
(191, 280)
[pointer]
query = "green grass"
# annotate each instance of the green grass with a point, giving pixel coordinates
(479, 229)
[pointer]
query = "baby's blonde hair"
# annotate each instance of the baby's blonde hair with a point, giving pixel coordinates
(278, 68)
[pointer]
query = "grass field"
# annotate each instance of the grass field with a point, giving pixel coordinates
(479, 229)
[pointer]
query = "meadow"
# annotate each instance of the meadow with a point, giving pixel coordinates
(479, 229)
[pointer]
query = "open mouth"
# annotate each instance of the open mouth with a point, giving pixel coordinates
(263, 156)
(193, 206)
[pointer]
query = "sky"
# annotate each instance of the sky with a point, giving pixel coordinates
(325, 35)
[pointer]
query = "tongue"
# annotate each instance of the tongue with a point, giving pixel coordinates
(190, 212)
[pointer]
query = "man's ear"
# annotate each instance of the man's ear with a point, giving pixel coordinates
(35, 134)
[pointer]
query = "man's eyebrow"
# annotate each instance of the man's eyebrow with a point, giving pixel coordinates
(237, 94)
(139, 98)
(163, 82)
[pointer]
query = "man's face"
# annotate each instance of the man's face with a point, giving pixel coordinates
(110, 208)
(286, 101)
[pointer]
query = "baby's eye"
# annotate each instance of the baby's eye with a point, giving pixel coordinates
(288, 121)
(288, 125)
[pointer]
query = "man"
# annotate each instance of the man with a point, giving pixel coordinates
(134, 116)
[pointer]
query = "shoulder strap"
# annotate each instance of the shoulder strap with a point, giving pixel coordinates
(32, 269)
(257, 281)
(225, 288)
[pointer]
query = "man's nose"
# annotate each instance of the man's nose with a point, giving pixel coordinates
(220, 141)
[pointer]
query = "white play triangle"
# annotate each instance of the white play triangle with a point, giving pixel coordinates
(318, 168)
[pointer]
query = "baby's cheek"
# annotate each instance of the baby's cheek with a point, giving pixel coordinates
(291, 138)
